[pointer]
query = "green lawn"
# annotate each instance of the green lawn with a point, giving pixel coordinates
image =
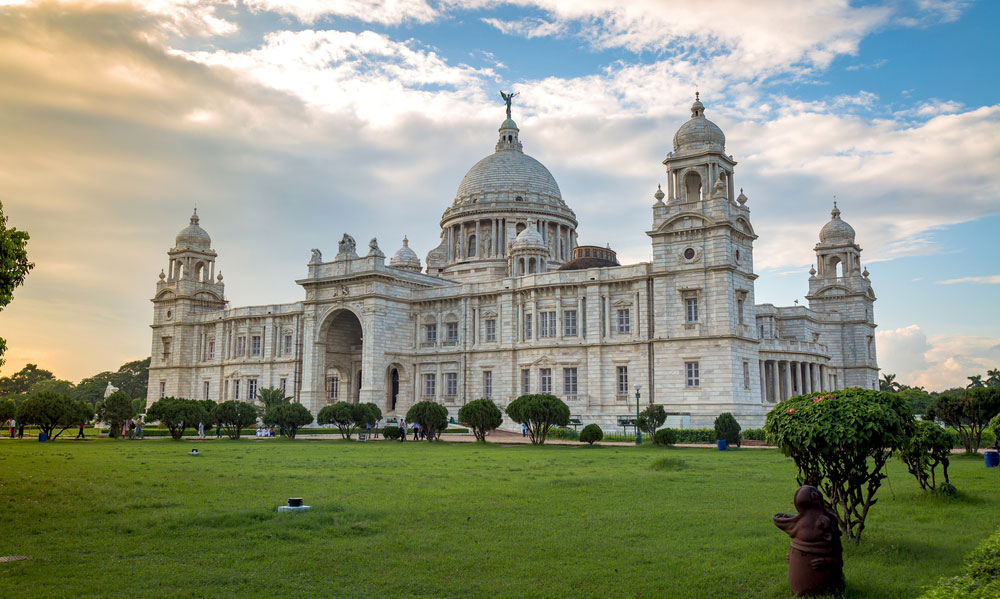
(118, 518)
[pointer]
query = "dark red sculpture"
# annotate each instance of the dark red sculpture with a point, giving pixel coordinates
(815, 556)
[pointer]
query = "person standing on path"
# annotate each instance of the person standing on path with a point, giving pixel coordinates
(524, 430)
(416, 431)
(402, 429)
(20, 430)
(13, 427)
(201, 430)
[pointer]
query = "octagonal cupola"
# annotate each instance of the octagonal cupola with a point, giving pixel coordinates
(405, 258)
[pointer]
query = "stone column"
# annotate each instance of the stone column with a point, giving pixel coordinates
(579, 318)
(763, 382)
(788, 379)
(775, 384)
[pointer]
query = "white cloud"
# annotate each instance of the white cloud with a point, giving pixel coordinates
(987, 279)
(527, 28)
(938, 362)
(385, 12)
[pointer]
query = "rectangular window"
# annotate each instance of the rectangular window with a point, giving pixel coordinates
(545, 376)
(205, 395)
(569, 323)
(241, 346)
(163, 390)
(431, 333)
(450, 384)
(622, 377)
(525, 381)
(527, 326)
(491, 329)
(691, 309)
(547, 324)
(429, 385)
(452, 331)
(211, 350)
(255, 345)
(746, 374)
(334, 385)
(252, 389)
(624, 321)
(288, 344)
(236, 389)
(283, 385)
(487, 384)
(692, 378)
(166, 350)
(569, 381)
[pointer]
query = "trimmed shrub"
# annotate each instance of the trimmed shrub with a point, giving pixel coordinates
(665, 437)
(727, 428)
(591, 433)
(340, 414)
(539, 412)
(564, 433)
(392, 432)
(651, 419)
(233, 416)
(288, 417)
(696, 435)
(50, 411)
(176, 413)
(115, 410)
(969, 413)
(431, 416)
(753, 434)
(995, 427)
(840, 442)
(482, 416)
(929, 447)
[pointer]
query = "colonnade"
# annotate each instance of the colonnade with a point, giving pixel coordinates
(492, 238)
(781, 379)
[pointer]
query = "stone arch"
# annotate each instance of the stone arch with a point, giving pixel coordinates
(342, 338)
(472, 246)
(692, 186)
(394, 377)
(199, 271)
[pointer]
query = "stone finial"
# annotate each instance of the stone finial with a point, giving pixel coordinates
(219, 277)
(835, 213)
(812, 272)
(194, 217)
(163, 275)
(865, 273)
(659, 195)
(742, 198)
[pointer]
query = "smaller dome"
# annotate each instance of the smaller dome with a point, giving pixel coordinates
(699, 132)
(529, 239)
(508, 124)
(405, 258)
(836, 230)
(193, 237)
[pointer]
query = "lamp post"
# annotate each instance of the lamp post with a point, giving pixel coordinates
(638, 433)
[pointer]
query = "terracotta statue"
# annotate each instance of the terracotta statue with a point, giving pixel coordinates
(815, 562)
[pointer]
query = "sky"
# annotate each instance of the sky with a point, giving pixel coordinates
(288, 123)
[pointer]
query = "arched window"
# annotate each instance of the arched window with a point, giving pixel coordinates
(472, 245)
(692, 186)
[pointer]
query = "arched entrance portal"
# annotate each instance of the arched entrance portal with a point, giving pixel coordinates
(343, 340)
(392, 384)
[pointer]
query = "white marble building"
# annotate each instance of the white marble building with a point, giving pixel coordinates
(510, 303)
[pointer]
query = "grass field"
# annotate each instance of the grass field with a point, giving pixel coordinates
(117, 518)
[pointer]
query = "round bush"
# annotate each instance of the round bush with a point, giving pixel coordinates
(591, 433)
(392, 432)
(431, 416)
(726, 427)
(665, 436)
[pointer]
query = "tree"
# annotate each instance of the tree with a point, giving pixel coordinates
(115, 410)
(7, 409)
(539, 412)
(592, 433)
(726, 427)
(177, 413)
(57, 386)
(840, 442)
(14, 266)
(432, 417)
(269, 396)
(233, 416)
(969, 413)
(288, 416)
(341, 415)
(482, 416)
(23, 380)
(50, 411)
(993, 379)
(918, 399)
(929, 447)
(975, 382)
(995, 427)
(651, 419)
(888, 383)
(367, 414)
(131, 378)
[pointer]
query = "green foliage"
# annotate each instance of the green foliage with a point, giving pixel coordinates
(753, 434)
(367, 414)
(288, 416)
(969, 413)
(665, 437)
(115, 410)
(234, 416)
(131, 379)
(176, 413)
(269, 396)
(995, 427)
(696, 435)
(539, 412)
(50, 411)
(918, 399)
(7, 409)
(840, 442)
(57, 386)
(651, 419)
(929, 447)
(392, 432)
(668, 464)
(591, 433)
(564, 433)
(727, 428)
(14, 266)
(482, 416)
(341, 414)
(981, 578)
(431, 416)
(888, 383)
(947, 489)
(21, 382)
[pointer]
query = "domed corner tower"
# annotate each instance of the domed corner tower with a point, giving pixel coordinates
(495, 202)
(838, 285)
(188, 287)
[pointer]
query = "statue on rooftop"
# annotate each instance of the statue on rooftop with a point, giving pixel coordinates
(507, 98)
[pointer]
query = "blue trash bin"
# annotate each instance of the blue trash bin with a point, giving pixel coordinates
(992, 459)
(42, 438)
(722, 444)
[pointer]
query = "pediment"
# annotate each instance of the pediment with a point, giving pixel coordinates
(685, 221)
(622, 303)
(489, 313)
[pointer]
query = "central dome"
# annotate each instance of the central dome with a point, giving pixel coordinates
(508, 171)
(193, 237)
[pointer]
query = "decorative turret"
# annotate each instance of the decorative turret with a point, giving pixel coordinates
(405, 258)
(528, 252)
